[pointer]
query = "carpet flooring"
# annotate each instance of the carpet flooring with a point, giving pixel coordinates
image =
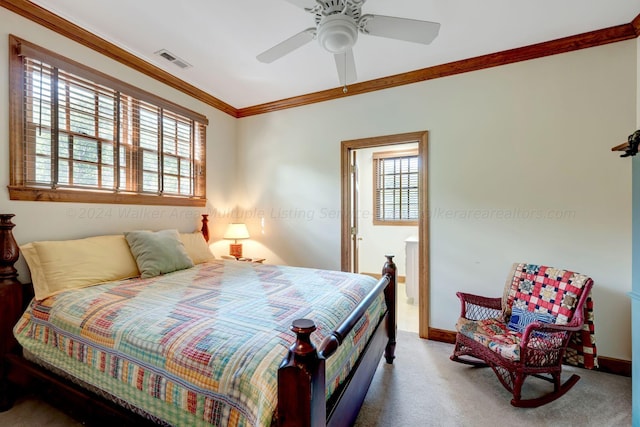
(424, 388)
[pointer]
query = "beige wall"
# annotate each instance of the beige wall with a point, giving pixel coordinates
(520, 169)
(50, 221)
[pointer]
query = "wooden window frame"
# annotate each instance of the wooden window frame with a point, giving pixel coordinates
(21, 189)
(378, 156)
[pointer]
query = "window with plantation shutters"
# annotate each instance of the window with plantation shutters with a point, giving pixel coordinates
(396, 190)
(83, 136)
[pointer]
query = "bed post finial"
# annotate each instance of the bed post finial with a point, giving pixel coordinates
(205, 227)
(390, 270)
(301, 376)
(10, 251)
(11, 298)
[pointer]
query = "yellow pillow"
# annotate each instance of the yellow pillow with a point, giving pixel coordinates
(31, 257)
(57, 266)
(197, 248)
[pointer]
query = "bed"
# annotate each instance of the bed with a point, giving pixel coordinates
(216, 342)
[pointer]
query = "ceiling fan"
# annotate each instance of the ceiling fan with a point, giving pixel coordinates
(337, 25)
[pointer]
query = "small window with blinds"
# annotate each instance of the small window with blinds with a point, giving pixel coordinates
(82, 136)
(396, 190)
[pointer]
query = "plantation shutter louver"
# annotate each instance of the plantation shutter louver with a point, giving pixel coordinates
(396, 188)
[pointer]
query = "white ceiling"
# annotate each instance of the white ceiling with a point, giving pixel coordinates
(222, 38)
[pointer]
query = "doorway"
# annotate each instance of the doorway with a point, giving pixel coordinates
(350, 211)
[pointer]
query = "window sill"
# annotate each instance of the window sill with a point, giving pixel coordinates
(82, 196)
(395, 222)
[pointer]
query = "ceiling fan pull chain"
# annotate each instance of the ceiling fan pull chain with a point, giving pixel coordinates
(344, 89)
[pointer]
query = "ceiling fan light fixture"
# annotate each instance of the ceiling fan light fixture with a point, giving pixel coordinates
(338, 23)
(337, 33)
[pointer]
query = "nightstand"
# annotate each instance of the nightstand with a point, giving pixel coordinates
(256, 260)
(243, 259)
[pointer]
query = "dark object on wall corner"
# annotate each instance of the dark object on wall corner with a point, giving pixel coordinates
(630, 147)
(633, 141)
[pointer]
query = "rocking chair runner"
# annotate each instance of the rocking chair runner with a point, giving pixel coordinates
(525, 332)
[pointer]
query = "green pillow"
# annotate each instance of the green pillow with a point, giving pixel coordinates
(158, 252)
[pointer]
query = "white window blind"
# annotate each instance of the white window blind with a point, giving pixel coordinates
(396, 176)
(85, 132)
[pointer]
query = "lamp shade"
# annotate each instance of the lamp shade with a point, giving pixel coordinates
(236, 231)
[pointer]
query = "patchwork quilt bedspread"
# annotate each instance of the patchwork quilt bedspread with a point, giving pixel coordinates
(199, 346)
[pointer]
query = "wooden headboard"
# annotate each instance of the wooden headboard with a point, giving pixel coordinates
(11, 291)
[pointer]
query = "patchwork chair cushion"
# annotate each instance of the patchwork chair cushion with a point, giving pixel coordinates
(493, 334)
(543, 290)
(501, 339)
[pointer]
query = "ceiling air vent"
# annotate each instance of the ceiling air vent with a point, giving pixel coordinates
(173, 58)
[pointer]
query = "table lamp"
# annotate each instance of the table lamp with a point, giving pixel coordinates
(235, 232)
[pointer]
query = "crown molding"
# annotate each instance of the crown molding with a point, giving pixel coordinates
(67, 29)
(563, 45)
(636, 25)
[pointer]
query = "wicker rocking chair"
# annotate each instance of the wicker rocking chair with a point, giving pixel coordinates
(525, 332)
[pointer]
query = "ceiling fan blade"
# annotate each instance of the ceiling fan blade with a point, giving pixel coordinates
(305, 4)
(346, 66)
(287, 46)
(411, 30)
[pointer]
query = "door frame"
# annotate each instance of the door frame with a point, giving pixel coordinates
(423, 221)
(355, 200)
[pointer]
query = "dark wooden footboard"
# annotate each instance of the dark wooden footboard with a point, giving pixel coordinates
(301, 377)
